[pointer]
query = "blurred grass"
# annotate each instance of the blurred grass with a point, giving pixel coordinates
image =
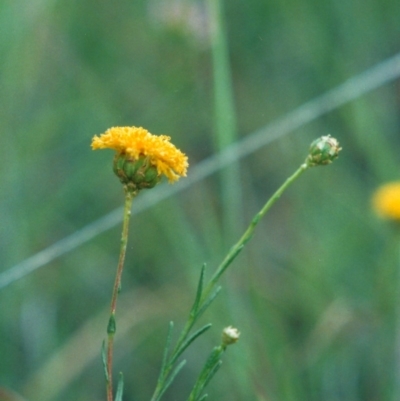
(225, 119)
(315, 292)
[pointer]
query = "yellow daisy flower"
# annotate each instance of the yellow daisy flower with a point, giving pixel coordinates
(137, 142)
(386, 201)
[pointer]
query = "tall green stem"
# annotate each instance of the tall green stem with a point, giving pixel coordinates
(234, 251)
(111, 328)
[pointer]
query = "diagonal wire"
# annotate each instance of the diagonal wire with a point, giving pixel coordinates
(383, 73)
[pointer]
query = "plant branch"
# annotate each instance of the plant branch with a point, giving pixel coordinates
(111, 328)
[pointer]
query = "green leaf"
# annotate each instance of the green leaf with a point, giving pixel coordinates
(120, 387)
(193, 337)
(166, 349)
(208, 301)
(212, 372)
(214, 357)
(104, 359)
(199, 291)
(170, 379)
(211, 366)
(206, 375)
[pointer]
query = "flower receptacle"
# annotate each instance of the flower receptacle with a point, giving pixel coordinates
(135, 173)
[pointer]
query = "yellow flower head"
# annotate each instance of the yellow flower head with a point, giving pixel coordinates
(386, 201)
(137, 142)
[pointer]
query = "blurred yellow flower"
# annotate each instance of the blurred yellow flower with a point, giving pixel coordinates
(138, 142)
(386, 201)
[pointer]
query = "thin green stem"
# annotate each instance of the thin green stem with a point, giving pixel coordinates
(111, 328)
(235, 250)
(200, 305)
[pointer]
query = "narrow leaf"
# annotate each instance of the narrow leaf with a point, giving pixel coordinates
(204, 377)
(170, 379)
(164, 362)
(166, 349)
(213, 371)
(120, 388)
(213, 359)
(199, 291)
(104, 359)
(193, 337)
(207, 303)
(203, 381)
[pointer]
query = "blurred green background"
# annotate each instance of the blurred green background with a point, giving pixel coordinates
(315, 294)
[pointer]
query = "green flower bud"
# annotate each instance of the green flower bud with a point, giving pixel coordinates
(323, 151)
(135, 173)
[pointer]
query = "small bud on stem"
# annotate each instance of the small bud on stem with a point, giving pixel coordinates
(323, 151)
(230, 335)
